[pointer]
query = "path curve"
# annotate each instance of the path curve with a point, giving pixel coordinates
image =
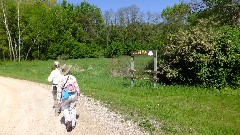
(26, 109)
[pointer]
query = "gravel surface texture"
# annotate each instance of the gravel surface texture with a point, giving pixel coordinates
(27, 110)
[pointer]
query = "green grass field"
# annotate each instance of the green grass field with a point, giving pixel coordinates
(161, 110)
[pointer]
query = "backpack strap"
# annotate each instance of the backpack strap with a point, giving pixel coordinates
(63, 88)
(65, 82)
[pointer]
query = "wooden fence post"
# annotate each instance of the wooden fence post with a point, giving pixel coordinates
(155, 69)
(132, 68)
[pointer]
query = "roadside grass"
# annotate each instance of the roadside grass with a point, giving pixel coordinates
(161, 110)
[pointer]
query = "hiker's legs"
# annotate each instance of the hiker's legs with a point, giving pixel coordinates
(72, 108)
(54, 94)
(68, 122)
(66, 115)
(73, 112)
(69, 111)
(65, 109)
(55, 103)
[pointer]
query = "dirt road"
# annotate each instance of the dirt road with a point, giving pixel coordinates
(26, 109)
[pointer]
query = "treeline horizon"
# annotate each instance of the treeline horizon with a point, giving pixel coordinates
(50, 30)
(197, 41)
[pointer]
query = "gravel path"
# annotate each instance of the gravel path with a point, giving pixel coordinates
(27, 110)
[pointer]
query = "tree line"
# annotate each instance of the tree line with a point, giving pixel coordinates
(197, 40)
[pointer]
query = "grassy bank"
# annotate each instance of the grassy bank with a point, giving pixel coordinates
(164, 110)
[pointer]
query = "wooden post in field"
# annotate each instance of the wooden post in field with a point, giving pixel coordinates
(155, 69)
(132, 68)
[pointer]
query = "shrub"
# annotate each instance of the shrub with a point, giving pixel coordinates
(114, 49)
(54, 51)
(202, 54)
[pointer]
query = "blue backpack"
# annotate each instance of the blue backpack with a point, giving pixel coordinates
(67, 91)
(65, 94)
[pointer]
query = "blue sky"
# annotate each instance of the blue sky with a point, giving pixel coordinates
(143, 5)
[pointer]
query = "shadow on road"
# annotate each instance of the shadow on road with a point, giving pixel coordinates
(62, 120)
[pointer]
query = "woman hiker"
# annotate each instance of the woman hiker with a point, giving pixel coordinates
(54, 78)
(68, 94)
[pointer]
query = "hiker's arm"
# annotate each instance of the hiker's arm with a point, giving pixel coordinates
(78, 90)
(50, 77)
(77, 87)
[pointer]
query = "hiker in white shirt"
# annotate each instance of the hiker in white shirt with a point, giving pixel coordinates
(68, 94)
(54, 78)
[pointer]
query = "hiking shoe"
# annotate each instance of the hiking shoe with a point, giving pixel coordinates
(59, 111)
(74, 126)
(69, 126)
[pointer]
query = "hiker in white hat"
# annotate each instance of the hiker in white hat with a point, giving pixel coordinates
(68, 93)
(54, 78)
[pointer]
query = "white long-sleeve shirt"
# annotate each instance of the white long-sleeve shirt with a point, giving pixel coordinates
(54, 76)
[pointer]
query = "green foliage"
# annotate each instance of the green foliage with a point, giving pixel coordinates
(202, 55)
(81, 50)
(114, 49)
(54, 50)
(226, 12)
(62, 28)
(175, 17)
(228, 52)
(165, 109)
(89, 22)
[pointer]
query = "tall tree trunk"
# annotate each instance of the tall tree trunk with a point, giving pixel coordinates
(11, 51)
(19, 36)
(28, 52)
(38, 52)
(33, 43)
(15, 48)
